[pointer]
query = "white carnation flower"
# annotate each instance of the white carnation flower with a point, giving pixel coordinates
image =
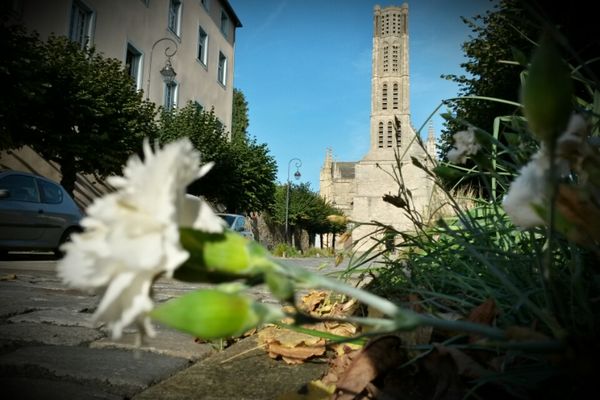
(529, 189)
(131, 236)
(465, 144)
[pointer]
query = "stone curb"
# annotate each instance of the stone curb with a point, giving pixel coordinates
(243, 371)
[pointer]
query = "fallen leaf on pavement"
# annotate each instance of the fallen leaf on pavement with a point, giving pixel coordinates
(484, 314)
(8, 277)
(293, 347)
(377, 356)
(314, 390)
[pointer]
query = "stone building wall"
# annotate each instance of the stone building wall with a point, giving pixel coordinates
(357, 188)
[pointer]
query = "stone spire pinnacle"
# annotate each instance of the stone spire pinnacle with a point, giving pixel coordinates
(328, 157)
(430, 145)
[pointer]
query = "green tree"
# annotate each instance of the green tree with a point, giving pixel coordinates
(240, 120)
(208, 135)
(498, 36)
(20, 81)
(244, 172)
(307, 210)
(72, 106)
(256, 168)
(497, 54)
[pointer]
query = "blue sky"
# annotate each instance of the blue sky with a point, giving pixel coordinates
(305, 69)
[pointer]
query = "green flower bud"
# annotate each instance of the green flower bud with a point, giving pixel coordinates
(209, 314)
(547, 94)
(219, 257)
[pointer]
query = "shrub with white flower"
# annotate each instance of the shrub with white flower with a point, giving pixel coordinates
(131, 236)
(465, 144)
(530, 190)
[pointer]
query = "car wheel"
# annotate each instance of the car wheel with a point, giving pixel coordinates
(65, 238)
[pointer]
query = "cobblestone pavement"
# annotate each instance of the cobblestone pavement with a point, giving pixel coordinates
(49, 349)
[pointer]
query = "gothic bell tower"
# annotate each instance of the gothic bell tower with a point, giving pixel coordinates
(358, 188)
(390, 106)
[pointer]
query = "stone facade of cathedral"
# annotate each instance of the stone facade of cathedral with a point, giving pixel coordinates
(358, 187)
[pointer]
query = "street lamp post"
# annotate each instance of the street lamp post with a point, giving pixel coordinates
(297, 175)
(167, 72)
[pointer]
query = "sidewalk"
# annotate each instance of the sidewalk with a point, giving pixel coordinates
(243, 371)
(50, 350)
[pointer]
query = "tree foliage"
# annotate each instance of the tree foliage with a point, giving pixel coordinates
(497, 55)
(242, 178)
(240, 119)
(256, 167)
(307, 210)
(72, 106)
(499, 35)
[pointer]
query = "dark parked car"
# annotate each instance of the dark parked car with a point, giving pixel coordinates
(36, 213)
(237, 223)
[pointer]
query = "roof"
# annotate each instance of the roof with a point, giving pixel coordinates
(234, 17)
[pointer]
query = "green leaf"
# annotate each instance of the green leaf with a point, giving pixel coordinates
(209, 314)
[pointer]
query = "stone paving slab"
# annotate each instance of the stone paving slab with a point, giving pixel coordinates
(116, 371)
(36, 389)
(16, 301)
(243, 371)
(57, 316)
(167, 342)
(28, 332)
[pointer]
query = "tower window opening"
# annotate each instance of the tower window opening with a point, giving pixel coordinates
(390, 130)
(385, 58)
(380, 138)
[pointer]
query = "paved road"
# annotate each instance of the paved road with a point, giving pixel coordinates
(49, 349)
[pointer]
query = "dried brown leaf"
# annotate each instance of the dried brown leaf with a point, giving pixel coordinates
(293, 347)
(465, 365)
(376, 357)
(442, 369)
(484, 314)
(297, 354)
(578, 208)
(287, 338)
(313, 300)
(419, 335)
(339, 364)
(315, 390)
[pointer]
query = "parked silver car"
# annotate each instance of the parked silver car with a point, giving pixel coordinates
(36, 213)
(237, 223)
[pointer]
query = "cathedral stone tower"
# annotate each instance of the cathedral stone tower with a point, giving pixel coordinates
(358, 187)
(390, 105)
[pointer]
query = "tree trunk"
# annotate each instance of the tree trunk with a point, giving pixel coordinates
(333, 242)
(321, 241)
(69, 176)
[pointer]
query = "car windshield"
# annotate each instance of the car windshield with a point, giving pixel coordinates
(229, 219)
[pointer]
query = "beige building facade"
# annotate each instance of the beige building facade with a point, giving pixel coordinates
(198, 34)
(195, 39)
(357, 188)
